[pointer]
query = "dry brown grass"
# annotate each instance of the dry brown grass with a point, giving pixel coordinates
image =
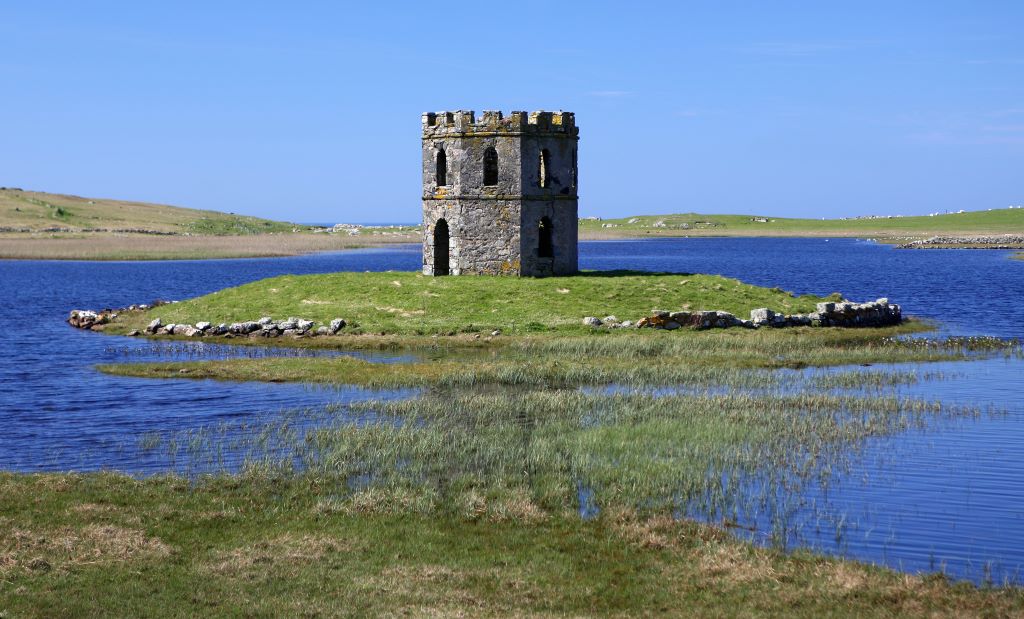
(288, 552)
(66, 547)
(111, 246)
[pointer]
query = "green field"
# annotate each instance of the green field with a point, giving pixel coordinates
(38, 211)
(407, 303)
(45, 226)
(996, 221)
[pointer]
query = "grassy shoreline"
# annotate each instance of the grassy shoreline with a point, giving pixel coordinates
(45, 226)
(996, 221)
(465, 497)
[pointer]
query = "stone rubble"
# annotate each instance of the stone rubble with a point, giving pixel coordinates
(264, 327)
(1000, 241)
(878, 313)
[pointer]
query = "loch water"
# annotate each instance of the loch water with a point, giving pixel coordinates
(947, 497)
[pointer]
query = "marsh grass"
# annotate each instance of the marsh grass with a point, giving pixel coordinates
(470, 452)
(734, 360)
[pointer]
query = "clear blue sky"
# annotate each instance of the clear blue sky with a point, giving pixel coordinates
(311, 111)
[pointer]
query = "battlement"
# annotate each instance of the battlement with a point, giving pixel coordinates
(461, 122)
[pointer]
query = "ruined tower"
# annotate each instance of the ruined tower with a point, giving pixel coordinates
(499, 193)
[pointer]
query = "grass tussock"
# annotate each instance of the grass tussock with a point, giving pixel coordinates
(66, 548)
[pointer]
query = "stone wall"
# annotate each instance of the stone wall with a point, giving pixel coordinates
(493, 229)
(878, 313)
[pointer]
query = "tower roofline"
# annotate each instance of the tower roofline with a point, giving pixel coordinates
(461, 122)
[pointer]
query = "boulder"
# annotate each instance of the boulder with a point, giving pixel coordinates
(592, 321)
(266, 320)
(244, 328)
(203, 326)
(323, 330)
(154, 326)
(761, 316)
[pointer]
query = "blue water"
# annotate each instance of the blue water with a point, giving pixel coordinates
(949, 497)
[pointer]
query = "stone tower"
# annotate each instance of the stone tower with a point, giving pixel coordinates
(499, 193)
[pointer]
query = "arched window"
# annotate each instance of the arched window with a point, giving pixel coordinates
(441, 247)
(490, 167)
(543, 166)
(442, 168)
(545, 246)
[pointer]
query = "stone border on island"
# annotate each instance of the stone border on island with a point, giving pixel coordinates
(879, 313)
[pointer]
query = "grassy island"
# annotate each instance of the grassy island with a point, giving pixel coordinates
(404, 303)
(539, 472)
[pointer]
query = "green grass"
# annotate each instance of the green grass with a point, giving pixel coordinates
(997, 221)
(412, 304)
(108, 546)
(38, 210)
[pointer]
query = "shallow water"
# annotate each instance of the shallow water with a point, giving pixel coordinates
(948, 497)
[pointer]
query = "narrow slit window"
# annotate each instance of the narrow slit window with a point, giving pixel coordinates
(545, 244)
(490, 167)
(544, 165)
(441, 168)
(575, 169)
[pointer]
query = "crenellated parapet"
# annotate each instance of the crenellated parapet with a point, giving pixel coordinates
(462, 123)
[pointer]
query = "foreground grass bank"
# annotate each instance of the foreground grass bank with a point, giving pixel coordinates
(105, 545)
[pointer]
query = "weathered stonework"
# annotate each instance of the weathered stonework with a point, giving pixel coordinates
(512, 210)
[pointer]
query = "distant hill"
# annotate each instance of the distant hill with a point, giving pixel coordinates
(996, 221)
(34, 211)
